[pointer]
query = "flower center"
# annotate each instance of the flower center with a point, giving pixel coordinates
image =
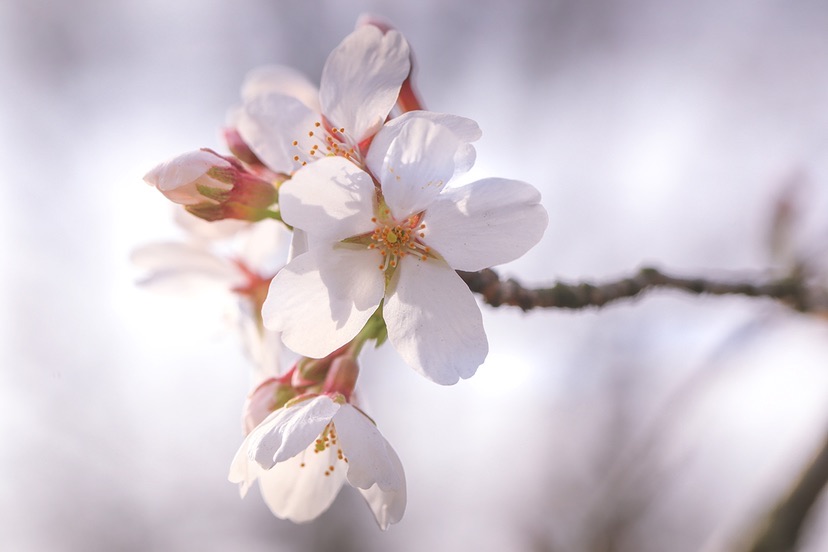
(323, 140)
(325, 442)
(394, 240)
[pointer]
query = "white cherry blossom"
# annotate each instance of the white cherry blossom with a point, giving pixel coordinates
(302, 455)
(286, 123)
(396, 235)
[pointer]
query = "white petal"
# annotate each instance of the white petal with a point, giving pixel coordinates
(388, 506)
(367, 451)
(300, 493)
(362, 78)
(264, 348)
(270, 123)
(464, 129)
(242, 470)
(331, 198)
(485, 223)
(181, 267)
(283, 80)
(264, 246)
(434, 322)
(298, 244)
(323, 298)
(419, 163)
(288, 431)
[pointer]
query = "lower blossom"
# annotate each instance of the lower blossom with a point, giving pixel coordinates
(302, 454)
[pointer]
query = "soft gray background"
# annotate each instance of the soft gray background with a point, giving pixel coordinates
(658, 132)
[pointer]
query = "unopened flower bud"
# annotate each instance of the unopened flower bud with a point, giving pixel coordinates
(342, 376)
(310, 371)
(213, 187)
(270, 395)
(180, 179)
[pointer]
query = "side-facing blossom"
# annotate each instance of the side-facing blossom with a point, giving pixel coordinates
(303, 453)
(395, 236)
(287, 123)
(228, 263)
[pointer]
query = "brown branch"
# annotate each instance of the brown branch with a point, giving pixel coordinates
(496, 292)
(781, 528)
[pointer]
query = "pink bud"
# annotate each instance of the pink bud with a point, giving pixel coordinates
(376, 21)
(342, 376)
(271, 395)
(213, 187)
(180, 178)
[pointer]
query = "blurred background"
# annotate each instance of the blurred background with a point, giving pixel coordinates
(659, 133)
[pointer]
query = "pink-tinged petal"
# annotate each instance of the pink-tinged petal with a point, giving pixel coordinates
(331, 198)
(419, 163)
(269, 125)
(361, 80)
(485, 223)
(289, 431)
(298, 489)
(367, 451)
(434, 322)
(464, 129)
(281, 80)
(183, 169)
(388, 506)
(323, 298)
(179, 178)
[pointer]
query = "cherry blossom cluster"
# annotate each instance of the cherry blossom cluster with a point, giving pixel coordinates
(361, 178)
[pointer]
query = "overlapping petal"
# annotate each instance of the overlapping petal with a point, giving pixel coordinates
(465, 130)
(362, 78)
(434, 322)
(388, 506)
(485, 223)
(369, 462)
(298, 489)
(280, 79)
(419, 162)
(331, 198)
(270, 123)
(322, 298)
(289, 431)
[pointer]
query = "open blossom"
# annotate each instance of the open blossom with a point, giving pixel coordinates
(302, 454)
(287, 123)
(396, 236)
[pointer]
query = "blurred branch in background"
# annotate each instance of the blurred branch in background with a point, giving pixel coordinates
(780, 530)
